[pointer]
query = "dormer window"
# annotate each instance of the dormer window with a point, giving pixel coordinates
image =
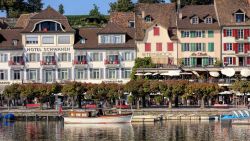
(148, 19)
(240, 17)
(131, 24)
(195, 20)
(209, 20)
(83, 41)
(47, 26)
(14, 42)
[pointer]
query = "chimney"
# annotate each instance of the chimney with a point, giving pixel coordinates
(180, 15)
(179, 5)
(143, 14)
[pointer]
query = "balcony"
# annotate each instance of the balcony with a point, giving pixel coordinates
(48, 64)
(13, 64)
(109, 63)
(82, 63)
(241, 40)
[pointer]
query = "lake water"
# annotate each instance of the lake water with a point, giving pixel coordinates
(161, 131)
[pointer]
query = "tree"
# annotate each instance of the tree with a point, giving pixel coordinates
(35, 5)
(121, 6)
(61, 9)
(145, 62)
(194, 2)
(243, 87)
(95, 11)
(11, 92)
(151, 1)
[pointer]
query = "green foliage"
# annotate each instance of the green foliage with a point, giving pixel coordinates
(145, 62)
(95, 11)
(151, 1)
(78, 21)
(61, 9)
(12, 91)
(121, 6)
(241, 86)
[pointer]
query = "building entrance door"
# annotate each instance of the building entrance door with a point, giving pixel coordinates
(199, 62)
(241, 61)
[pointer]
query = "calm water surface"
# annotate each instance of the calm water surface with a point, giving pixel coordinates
(164, 131)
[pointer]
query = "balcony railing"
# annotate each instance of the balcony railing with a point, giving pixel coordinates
(13, 63)
(48, 62)
(115, 62)
(76, 62)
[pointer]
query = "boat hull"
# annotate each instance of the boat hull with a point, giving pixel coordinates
(126, 118)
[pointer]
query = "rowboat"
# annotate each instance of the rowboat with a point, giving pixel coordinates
(79, 117)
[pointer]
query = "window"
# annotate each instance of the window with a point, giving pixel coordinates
(112, 39)
(210, 47)
(31, 40)
(95, 74)
(210, 33)
(229, 46)
(81, 74)
(158, 46)
(48, 26)
(210, 61)
(32, 75)
(3, 58)
(63, 74)
(63, 39)
(147, 47)
(33, 57)
(48, 59)
(14, 42)
(195, 20)
(148, 19)
(184, 34)
(156, 31)
(82, 41)
(3, 74)
(104, 39)
(111, 73)
(186, 61)
(131, 24)
(64, 57)
(128, 56)
(18, 59)
(240, 17)
(117, 39)
(126, 73)
(49, 75)
(199, 47)
(185, 46)
(48, 40)
(209, 20)
(81, 58)
(241, 47)
(17, 74)
(170, 46)
(229, 32)
(96, 56)
(229, 60)
(198, 34)
(194, 34)
(240, 33)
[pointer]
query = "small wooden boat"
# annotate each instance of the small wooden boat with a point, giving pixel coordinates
(90, 117)
(241, 122)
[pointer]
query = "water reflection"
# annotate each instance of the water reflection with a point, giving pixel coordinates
(169, 131)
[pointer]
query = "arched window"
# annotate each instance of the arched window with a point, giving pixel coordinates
(47, 26)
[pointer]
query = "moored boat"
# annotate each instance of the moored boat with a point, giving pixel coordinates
(78, 117)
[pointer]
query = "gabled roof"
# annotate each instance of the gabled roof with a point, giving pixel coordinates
(201, 11)
(122, 18)
(48, 13)
(6, 38)
(23, 20)
(163, 14)
(227, 8)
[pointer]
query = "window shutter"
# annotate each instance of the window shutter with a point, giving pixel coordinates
(235, 33)
(225, 46)
(38, 57)
(28, 74)
(204, 47)
(38, 75)
(225, 60)
(193, 47)
(123, 73)
(117, 73)
(246, 47)
(5, 74)
(225, 33)
(107, 74)
(101, 73)
(5, 57)
(156, 31)
(59, 74)
(170, 47)
(182, 47)
(246, 33)
(12, 74)
(234, 60)
(182, 34)
(158, 46)
(132, 56)
(101, 56)
(28, 57)
(235, 47)
(192, 34)
(69, 74)
(43, 76)
(59, 57)
(69, 57)
(203, 34)
(91, 73)
(86, 73)
(91, 56)
(21, 74)
(248, 60)
(147, 47)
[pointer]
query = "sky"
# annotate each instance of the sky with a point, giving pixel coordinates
(77, 7)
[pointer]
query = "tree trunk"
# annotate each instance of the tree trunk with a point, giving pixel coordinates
(138, 103)
(72, 103)
(203, 102)
(176, 101)
(143, 101)
(79, 98)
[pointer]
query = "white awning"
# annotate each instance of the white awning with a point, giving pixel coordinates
(214, 73)
(229, 72)
(225, 93)
(164, 74)
(174, 72)
(196, 73)
(146, 74)
(245, 72)
(139, 74)
(155, 74)
(186, 73)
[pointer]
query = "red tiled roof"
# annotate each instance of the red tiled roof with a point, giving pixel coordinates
(6, 39)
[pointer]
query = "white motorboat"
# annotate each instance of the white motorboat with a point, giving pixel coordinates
(79, 117)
